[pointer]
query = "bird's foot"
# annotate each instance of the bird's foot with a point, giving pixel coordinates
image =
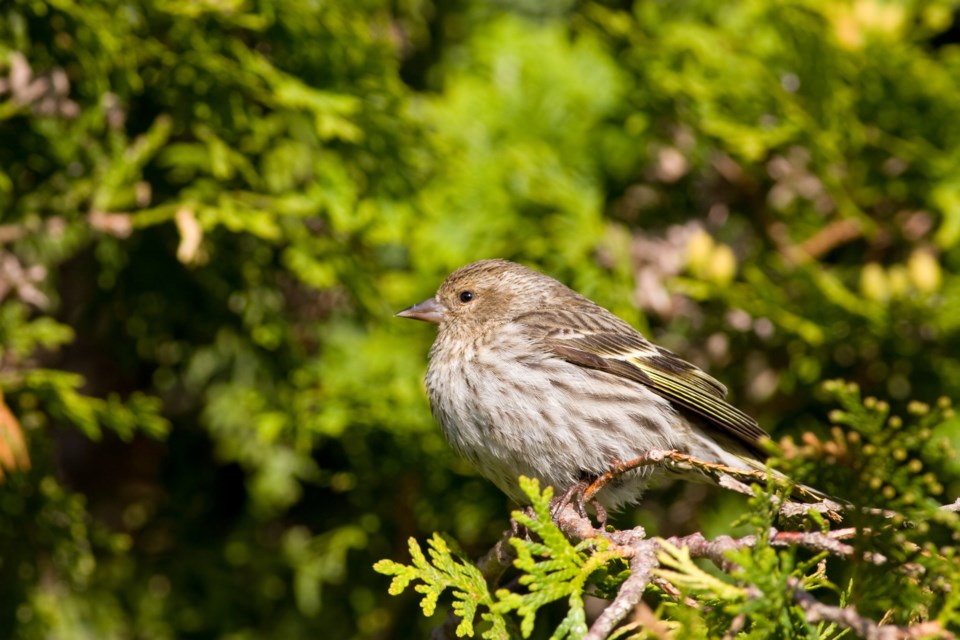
(578, 497)
(618, 468)
(572, 496)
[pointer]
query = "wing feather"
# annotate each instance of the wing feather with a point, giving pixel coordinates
(621, 350)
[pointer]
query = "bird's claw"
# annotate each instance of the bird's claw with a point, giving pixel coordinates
(572, 496)
(578, 496)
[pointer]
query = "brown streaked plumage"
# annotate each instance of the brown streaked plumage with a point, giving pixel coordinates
(529, 377)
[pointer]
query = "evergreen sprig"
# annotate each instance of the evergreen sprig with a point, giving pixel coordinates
(553, 568)
(441, 572)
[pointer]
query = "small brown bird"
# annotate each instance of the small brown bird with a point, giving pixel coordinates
(529, 377)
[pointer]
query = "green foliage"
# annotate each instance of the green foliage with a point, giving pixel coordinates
(442, 572)
(887, 461)
(897, 462)
(210, 211)
(552, 569)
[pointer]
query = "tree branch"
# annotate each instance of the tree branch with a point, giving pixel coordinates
(642, 565)
(816, 611)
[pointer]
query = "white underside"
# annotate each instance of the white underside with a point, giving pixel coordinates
(507, 415)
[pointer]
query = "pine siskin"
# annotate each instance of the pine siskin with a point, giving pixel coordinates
(529, 377)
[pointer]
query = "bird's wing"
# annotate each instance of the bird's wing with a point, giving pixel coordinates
(621, 350)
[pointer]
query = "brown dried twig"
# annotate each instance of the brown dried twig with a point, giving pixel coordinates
(848, 617)
(731, 478)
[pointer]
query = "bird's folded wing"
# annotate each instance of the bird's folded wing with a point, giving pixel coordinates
(631, 356)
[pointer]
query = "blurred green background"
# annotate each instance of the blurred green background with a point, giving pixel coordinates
(212, 425)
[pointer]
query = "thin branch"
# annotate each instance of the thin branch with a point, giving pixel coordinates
(727, 477)
(847, 617)
(669, 589)
(495, 562)
(825, 240)
(953, 506)
(641, 565)
(716, 550)
(651, 457)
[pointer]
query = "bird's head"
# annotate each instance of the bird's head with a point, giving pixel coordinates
(484, 294)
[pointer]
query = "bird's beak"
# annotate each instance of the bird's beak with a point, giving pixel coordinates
(429, 310)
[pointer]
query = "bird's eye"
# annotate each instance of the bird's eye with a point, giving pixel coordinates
(466, 296)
